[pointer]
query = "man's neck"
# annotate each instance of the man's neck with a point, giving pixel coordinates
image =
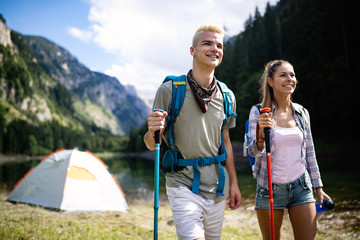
(203, 77)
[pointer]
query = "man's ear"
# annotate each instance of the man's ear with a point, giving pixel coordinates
(192, 51)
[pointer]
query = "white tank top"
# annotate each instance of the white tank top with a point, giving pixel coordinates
(287, 163)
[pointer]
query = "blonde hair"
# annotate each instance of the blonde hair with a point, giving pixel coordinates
(206, 28)
(266, 91)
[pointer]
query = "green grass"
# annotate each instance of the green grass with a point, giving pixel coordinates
(22, 221)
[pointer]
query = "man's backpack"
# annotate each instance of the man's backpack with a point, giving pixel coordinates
(172, 160)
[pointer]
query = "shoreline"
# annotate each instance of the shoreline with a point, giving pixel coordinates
(240, 161)
(19, 158)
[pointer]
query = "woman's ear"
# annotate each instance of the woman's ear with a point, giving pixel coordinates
(270, 81)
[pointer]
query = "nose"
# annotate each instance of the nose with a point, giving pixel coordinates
(291, 79)
(213, 47)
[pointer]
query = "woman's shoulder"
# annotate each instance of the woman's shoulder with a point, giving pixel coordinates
(302, 111)
(255, 111)
(299, 108)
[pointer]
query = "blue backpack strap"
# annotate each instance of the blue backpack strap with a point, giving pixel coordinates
(178, 95)
(204, 161)
(212, 160)
(228, 112)
(227, 101)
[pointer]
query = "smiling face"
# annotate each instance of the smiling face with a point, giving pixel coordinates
(208, 51)
(283, 80)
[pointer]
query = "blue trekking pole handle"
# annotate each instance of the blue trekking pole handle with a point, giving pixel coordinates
(156, 177)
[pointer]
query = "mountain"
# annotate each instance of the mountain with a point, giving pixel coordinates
(47, 83)
(49, 101)
(99, 88)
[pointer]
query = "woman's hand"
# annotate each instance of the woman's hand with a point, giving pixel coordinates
(265, 120)
(321, 195)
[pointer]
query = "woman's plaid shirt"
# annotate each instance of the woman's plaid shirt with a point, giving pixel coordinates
(302, 118)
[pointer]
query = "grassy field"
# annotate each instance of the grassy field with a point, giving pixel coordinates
(22, 221)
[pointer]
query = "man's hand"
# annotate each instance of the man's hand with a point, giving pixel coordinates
(235, 197)
(156, 121)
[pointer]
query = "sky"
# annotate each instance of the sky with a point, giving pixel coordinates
(139, 42)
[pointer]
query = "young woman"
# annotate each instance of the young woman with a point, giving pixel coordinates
(294, 167)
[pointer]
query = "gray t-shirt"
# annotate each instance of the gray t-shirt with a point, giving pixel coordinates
(197, 135)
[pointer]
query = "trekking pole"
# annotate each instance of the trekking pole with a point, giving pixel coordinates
(268, 158)
(156, 181)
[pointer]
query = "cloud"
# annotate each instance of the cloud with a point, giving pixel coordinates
(151, 39)
(82, 35)
(131, 75)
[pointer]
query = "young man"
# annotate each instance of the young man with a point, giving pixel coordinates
(198, 133)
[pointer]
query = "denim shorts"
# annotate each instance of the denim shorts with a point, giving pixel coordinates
(285, 195)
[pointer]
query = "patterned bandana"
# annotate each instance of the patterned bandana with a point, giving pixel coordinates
(202, 95)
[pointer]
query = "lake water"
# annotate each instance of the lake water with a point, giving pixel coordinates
(135, 176)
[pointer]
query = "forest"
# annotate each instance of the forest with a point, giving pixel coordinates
(318, 37)
(24, 138)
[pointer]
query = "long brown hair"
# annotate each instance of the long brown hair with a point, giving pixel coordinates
(266, 91)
